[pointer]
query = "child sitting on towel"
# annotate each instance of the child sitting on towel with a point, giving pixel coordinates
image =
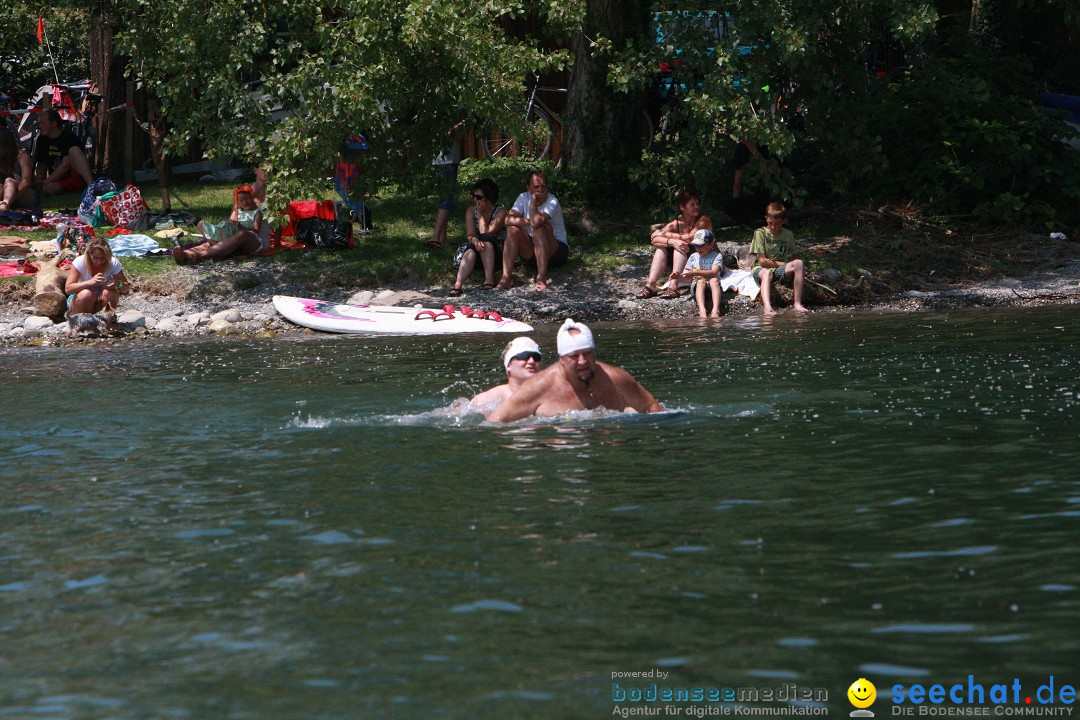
(704, 268)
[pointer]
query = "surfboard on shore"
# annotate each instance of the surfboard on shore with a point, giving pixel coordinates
(328, 317)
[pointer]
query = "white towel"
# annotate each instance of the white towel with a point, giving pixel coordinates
(742, 281)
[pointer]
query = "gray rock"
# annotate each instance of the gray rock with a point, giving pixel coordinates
(56, 330)
(863, 273)
(17, 332)
(831, 275)
(197, 319)
(35, 322)
(150, 322)
(402, 298)
(131, 318)
(364, 297)
(166, 325)
(231, 316)
(627, 304)
(220, 325)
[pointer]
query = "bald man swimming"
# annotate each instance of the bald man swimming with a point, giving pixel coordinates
(578, 381)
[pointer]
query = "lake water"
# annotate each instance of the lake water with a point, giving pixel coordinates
(295, 528)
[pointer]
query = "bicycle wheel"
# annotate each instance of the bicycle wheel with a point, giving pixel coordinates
(533, 144)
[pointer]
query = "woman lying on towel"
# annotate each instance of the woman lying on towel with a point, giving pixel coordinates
(244, 232)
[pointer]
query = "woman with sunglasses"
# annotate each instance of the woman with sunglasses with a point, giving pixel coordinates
(485, 230)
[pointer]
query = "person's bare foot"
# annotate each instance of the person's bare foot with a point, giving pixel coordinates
(180, 256)
(769, 313)
(801, 309)
(714, 314)
(541, 284)
(702, 314)
(504, 284)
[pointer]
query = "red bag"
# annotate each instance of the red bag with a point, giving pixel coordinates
(125, 207)
(303, 209)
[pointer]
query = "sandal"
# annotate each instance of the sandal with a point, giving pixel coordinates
(434, 244)
(487, 286)
(647, 292)
(455, 292)
(671, 294)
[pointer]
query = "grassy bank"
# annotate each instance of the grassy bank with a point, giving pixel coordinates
(897, 248)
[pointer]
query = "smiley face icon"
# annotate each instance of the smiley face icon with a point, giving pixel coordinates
(862, 693)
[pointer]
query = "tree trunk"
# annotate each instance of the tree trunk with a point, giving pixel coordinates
(107, 72)
(602, 124)
(156, 128)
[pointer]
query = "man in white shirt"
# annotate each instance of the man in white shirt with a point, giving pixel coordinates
(535, 232)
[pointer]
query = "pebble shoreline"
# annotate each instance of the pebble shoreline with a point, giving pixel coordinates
(249, 312)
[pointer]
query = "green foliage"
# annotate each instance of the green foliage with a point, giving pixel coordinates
(25, 65)
(509, 174)
(403, 72)
(962, 137)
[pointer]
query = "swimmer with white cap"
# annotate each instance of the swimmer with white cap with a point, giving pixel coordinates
(577, 382)
(521, 358)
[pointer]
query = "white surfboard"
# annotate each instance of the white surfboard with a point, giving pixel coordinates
(328, 317)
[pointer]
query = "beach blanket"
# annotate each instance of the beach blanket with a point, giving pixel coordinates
(742, 281)
(133, 245)
(11, 269)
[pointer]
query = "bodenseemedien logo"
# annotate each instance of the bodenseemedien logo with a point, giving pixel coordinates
(862, 694)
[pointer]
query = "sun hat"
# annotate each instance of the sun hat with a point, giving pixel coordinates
(519, 345)
(568, 343)
(703, 237)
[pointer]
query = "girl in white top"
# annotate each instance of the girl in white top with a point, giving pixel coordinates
(96, 280)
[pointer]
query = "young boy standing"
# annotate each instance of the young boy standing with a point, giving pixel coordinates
(704, 267)
(774, 249)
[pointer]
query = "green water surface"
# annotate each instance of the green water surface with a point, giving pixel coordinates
(299, 529)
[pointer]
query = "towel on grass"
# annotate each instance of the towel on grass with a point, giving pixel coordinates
(132, 245)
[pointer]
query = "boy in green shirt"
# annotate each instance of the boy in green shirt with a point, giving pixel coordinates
(774, 248)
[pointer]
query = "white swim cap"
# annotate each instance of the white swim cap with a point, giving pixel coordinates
(568, 343)
(519, 345)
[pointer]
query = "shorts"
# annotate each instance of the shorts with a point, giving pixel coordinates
(557, 258)
(449, 174)
(779, 274)
(71, 182)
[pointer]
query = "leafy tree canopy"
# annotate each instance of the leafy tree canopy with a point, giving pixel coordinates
(403, 72)
(24, 64)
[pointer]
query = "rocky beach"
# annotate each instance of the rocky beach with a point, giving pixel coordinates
(235, 297)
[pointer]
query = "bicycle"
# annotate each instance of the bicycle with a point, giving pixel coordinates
(538, 129)
(540, 125)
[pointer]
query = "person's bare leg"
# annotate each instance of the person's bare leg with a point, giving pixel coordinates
(10, 186)
(796, 268)
(717, 295)
(487, 259)
(83, 302)
(438, 235)
(766, 286)
(657, 269)
(81, 165)
(468, 262)
(513, 248)
(544, 246)
(699, 298)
